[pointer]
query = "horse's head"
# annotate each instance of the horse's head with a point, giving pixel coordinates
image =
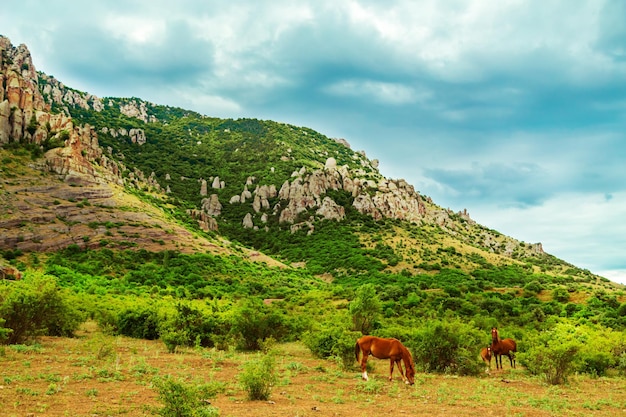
(409, 365)
(410, 373)
(494, 334)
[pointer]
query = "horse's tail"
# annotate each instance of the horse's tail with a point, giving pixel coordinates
(357, 350)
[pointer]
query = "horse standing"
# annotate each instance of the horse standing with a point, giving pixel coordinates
(382, 348)
(485, 354)
(499, 347)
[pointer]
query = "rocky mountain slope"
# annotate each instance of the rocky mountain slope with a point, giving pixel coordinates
(125, 173)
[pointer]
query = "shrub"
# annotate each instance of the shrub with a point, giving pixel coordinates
(140, 322)
(560, 294)
(333, 342)
(4, 332)
(554, 361)
(254, 322)
(596, 363)
(533, 288)
(185, 400)
(257, 378)
(365, 309)
(552, 354)
(36, 306)
(188, 326)
(450, 347)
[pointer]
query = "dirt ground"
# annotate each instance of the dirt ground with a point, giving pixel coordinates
(99, 375)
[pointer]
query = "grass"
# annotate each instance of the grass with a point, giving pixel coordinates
(98, 374)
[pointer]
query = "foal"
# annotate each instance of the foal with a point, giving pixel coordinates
(485, 354)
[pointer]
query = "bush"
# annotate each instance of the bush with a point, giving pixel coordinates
(254, 322)
(36, 306)
(185, 400)
(188, 326)
(139, 322)
(450, 347)
(4, 332)
(365, 309)
(552, 354)
(333, 342)
(560, 294)
(533, 288)
(596, 363)
(257, 378)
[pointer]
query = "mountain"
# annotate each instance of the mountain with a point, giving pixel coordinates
(123, 173)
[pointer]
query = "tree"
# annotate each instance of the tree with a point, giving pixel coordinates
(365, 309)
(36, 306)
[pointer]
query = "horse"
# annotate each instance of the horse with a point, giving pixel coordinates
(499, 347)
(485, 354)
(382, 348)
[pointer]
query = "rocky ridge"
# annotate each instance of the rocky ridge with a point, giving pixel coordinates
(26, 102)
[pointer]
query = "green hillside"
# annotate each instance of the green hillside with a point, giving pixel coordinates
(262, 231)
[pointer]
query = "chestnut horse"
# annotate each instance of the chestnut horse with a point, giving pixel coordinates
(485, 354)
(499, 347)
(390, 349)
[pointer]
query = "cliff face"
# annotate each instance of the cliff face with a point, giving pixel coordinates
(73, 194)
(20, 99)
(25, 116)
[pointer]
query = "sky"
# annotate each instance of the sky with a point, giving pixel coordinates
(514, 110)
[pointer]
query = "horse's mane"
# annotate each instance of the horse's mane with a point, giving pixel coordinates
(407, 353)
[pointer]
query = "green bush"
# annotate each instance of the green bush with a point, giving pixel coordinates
(4, 332)
(185, 400)
(560, 294)
(533, 288)
(188, 326)
(596, 363)
(365, 309)
(257, 377)
(36, 306)
(253, 322)
(447, 346)
(172, 338)
(140, 322)
(333, 342)
(552, 354)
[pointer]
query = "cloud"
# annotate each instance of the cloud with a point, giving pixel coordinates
(383, 92)
(612, 38)
(587, 228)
(508, 184)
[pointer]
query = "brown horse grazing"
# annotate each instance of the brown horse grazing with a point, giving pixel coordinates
(499, 347)
(485, 354)
(390, 349)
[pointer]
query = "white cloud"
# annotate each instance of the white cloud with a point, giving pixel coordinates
(586, 230)
(384, 92)
(615, 275)
(136, 30)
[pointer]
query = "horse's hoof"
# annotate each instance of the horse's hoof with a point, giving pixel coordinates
(406, 382)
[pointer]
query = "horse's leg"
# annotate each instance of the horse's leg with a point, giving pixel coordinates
(511, 359)
(364, 365)
(402, 372)
(390, 368)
